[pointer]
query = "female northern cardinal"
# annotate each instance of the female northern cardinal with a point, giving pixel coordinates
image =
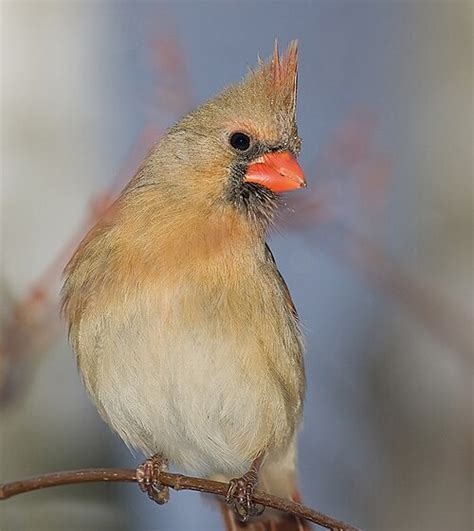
(184, 330)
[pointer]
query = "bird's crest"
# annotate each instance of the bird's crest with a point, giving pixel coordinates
(280, 75)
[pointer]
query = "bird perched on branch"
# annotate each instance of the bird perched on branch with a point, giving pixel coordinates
(185, 332)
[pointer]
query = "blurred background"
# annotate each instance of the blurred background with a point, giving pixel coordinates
(377, 251)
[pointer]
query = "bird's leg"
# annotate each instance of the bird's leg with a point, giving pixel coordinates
(148, 474)
(241, 490)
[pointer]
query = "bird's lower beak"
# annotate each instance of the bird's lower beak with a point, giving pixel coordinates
(277, 171)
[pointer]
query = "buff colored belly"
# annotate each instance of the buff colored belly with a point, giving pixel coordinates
(196, 391)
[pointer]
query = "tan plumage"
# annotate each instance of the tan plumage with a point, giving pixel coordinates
(184, 331)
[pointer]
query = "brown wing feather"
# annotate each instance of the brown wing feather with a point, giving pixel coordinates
(286, 291)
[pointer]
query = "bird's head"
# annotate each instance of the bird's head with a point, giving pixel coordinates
(238, 150)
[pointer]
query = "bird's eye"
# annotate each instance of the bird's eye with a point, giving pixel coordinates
(240, 141)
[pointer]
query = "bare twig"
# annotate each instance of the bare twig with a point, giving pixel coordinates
(175, 481)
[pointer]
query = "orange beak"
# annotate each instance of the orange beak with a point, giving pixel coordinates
(277, 171)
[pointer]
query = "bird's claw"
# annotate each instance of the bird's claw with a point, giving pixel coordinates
(148, 474)
(240, 494)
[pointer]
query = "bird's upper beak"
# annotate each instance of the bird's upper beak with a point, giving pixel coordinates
(277, 171)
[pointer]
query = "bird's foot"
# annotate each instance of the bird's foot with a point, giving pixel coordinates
(240, 494)
(148, 474)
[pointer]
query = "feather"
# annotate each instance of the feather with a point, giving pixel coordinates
(280, 76)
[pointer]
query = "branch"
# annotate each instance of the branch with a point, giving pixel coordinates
(175, 481)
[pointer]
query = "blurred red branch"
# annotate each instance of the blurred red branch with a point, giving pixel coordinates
(174, 481)
(446, 321)
(366, 175)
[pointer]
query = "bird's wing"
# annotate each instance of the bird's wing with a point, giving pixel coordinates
(284, 287)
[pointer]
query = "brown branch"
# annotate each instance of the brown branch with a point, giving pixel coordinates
(175, 481)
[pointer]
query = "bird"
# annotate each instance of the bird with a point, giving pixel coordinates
(183, 328)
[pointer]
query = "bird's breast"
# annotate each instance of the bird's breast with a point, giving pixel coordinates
(204, 367)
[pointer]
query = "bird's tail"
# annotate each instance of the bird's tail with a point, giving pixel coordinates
(273, 521)
(277, 477)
